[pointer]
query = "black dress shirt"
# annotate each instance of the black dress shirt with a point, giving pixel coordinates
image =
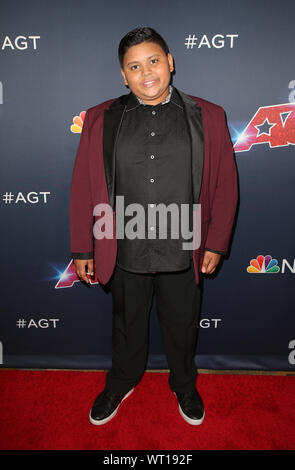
(153, 166)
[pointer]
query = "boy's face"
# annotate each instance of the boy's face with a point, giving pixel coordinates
(146, 70)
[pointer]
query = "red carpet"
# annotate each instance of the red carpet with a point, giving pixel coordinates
(49, 410)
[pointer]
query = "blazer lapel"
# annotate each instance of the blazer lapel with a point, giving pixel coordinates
(113, 118)
(195, 123)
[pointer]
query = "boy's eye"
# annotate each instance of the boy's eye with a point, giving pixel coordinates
(136, 66)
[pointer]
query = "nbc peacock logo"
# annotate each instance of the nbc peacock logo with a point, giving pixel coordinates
(263, 265)
(78, 122)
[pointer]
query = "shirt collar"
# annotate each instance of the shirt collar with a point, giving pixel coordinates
(134, 101)
(166, 100)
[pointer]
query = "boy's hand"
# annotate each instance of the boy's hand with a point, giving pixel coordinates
(80, 267)
(210, 262)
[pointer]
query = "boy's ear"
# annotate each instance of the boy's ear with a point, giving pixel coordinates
(170, 60)
(124, 77)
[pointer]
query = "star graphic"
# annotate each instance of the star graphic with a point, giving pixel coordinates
(265, 127)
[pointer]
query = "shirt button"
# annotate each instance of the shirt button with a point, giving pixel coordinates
(152, 156)
(152, 180)
(153, 134)
(153, 112)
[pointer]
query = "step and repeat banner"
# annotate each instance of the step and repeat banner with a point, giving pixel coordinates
(57, 59)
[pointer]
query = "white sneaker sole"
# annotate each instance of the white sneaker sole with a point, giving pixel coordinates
(103, 421)
(194, 422)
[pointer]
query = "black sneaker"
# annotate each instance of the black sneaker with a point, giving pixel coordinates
(106, 406)
(191, 407)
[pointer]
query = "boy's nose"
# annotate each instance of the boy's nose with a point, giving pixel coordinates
(146, 70)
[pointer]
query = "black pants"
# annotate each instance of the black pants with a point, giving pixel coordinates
(178, 303)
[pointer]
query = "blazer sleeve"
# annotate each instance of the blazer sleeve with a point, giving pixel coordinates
(226, 196)
(81, 210)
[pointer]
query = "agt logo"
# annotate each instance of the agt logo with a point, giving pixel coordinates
(19, 42)
(272, 125)
(268, 265)
(69, 277)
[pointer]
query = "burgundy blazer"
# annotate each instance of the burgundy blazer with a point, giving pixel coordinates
(214, 177)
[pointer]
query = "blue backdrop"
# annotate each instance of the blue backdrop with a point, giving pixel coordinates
(59, 58)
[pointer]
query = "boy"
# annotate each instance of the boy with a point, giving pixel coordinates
(155, 145)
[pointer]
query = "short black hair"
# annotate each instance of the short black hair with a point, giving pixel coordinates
(137, 36)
